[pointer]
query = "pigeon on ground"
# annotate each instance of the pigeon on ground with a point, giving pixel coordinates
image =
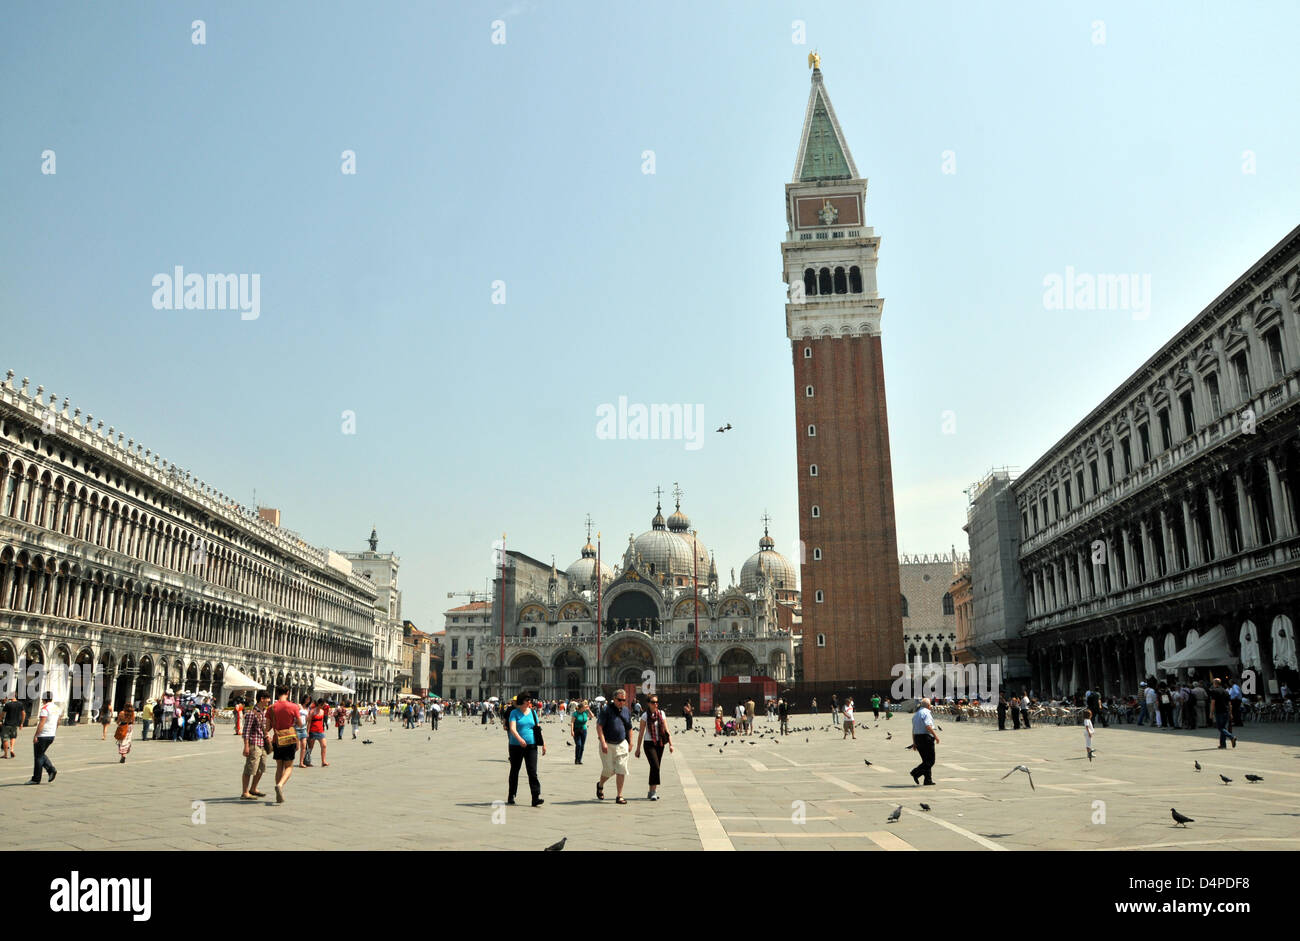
(1180, 819)
(888, 737)
(867, 763)
(925, 807)
(1026, 771)
(1224, 779)
(366, 741)
(556, 847)
(1252, 778)
(898, 812)
(1198, 765)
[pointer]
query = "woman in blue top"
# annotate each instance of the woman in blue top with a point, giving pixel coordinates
(521, 726)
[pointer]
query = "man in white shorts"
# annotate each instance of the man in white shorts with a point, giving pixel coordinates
(614, 730)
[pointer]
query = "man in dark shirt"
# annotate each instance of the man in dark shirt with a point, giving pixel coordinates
(614, 729)
(783, 713)
(1219, 712)
(14, 717)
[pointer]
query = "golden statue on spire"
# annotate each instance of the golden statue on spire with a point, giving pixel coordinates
(814, 60)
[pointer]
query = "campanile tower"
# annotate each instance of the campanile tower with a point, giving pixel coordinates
(852, 612)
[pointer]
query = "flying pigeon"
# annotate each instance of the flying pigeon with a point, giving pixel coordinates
(898, 812)
(925, 806)
(1225, 780)
(867, 763)
(726, 427)
(556, 847)
(1180, 819)
(1252, 778)
(1026, 771)
(1198, 765)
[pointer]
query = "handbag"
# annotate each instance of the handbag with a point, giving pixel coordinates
(537, 731)
(121, 732)
(286, 737)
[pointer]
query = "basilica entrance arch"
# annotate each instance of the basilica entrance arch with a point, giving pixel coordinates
(737, 662)
(627, 660)
(525, 673)
(570, 672)
(688, 669)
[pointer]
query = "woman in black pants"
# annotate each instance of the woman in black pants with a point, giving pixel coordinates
(654, 749)
(524, 736)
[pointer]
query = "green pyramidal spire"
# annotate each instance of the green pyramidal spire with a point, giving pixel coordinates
(823, 155)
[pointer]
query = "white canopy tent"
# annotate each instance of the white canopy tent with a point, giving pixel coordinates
(1211, 650)
(323, 685)
(234, 679)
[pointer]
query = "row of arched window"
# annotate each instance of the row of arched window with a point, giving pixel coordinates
(832, 281)
(37, 497)
(931, 654)
(39, 585)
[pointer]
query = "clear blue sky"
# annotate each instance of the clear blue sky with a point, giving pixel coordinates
(522, 163)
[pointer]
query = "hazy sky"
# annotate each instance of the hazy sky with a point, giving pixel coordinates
(1155, 140)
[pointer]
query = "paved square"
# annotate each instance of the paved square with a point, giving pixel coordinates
(418, 789)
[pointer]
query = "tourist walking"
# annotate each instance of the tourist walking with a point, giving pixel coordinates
(835, 708)
(257, 742)
(14, 715)
(340, 719)
(356, 720)
(163, 729)
(300, 729)
(578, 720)
(239, 714)
(848, 720)
(749, 715)
(524, 734)
(1087, 732)
(924, 737)
(1220, 713)
(813, 705)
(1002, 712)
(283, 720)
(435, 713)
(659, 737)
(875, 705)
(105, 718)
(146, 719)
(46, 727)
(688, 712)
(614, 730)
(320, 714)
(783, 713)
(125, 731)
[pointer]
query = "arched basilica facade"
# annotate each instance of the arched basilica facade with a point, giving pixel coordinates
(661, 613)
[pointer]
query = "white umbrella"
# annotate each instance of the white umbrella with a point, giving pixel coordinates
(494, 699)
(599, 699)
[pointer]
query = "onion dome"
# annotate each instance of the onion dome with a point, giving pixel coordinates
(582, 572)
(679, 522)
(669, 553)
(771, 564)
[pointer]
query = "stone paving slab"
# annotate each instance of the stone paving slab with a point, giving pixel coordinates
(418, 789)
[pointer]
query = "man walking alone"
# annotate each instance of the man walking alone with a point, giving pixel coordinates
(924, 737)
(44, 738)
(614, 730)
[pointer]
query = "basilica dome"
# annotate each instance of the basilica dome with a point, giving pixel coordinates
(772, 564)
(582, 571)
(669, 553)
